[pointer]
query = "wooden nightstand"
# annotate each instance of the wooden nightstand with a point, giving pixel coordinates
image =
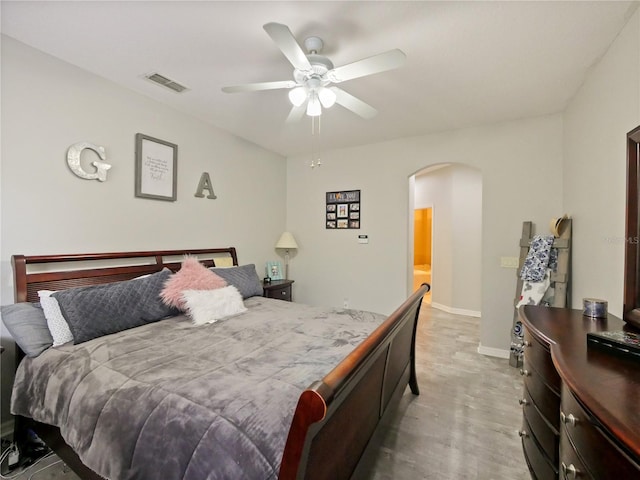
(280, 289)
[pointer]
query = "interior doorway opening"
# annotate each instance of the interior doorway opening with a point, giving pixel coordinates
(453, 261)
(422, 248)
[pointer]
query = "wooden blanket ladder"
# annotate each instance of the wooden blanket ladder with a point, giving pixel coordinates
(559, 281)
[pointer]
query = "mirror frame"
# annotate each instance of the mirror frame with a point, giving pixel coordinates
(631, 308)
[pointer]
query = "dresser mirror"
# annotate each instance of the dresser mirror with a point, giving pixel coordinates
(631, 309)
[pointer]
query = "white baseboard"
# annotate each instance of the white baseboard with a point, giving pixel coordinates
(493, 352)
(456, 311)
(6, 428)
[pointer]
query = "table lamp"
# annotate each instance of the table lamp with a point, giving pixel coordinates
(286, 242)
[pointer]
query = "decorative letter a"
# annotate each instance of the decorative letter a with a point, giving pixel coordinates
(205, 184)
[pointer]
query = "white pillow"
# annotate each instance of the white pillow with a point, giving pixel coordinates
(208, 306)
(58, 326)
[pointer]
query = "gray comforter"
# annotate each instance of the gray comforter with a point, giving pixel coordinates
(172, 400)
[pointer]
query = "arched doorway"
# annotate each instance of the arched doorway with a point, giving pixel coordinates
(453, 192)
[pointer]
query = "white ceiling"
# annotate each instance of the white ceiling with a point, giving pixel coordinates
(468, 63)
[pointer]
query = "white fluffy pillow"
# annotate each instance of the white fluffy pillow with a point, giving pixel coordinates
(58, 326)
(208, 306)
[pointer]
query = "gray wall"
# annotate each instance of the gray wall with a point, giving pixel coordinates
(48, 105)
(594, 189)
(521, 167)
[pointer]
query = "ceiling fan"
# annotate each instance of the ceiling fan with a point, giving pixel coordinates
(314, 76)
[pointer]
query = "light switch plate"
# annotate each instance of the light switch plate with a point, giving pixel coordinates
(509, 262)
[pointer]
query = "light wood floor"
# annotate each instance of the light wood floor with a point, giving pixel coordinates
(464, 423)
(462, 426)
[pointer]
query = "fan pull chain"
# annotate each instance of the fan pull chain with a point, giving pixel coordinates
(313, 129)
(315, 164)
(318, 163)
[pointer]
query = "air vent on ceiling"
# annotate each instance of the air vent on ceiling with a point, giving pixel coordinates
(166, 82)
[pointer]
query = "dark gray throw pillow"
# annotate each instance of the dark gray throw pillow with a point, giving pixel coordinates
(98, 310)
(244, 278)
(28, 326)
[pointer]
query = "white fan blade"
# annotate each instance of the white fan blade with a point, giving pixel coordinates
(254, 87)
(354, 104)
(368, 66)
(286, 42)
(296, 113)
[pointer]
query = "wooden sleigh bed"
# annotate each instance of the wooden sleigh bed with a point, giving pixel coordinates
(335, 416)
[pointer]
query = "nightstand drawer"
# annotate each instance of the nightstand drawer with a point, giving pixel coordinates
(281, 293)
(278, 289)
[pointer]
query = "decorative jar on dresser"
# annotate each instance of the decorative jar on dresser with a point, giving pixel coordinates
(581, 405)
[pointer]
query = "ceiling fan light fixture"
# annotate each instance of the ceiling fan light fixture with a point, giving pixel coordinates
(314, 74)
(297, 96)
(314, 109)
(327, 97)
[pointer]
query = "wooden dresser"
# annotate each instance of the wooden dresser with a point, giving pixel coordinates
(581, 406)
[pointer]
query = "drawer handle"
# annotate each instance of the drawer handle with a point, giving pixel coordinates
(522, 433)
(525, 373)
(568, 419)
(523, 401)
(526, 343)
(569, 471)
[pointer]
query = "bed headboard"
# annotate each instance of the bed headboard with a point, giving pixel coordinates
(57, 272)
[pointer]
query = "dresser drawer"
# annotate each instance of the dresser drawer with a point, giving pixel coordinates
(571, 467)
(547, 436)
(603, 458)
(537, 355)
(537, 461)
(546, 400)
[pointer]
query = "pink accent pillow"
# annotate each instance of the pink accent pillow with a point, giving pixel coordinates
(191, 276)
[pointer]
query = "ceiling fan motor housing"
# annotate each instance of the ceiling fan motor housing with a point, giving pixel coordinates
(320, 65)
(313, 44)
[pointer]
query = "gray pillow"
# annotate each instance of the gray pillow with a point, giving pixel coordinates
(28, 326)
(244, 278)
(98, 310)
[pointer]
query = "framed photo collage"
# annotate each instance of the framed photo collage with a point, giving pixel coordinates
(343, 210)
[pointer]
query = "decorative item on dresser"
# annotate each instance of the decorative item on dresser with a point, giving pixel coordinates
(580, 403)
(278, 289)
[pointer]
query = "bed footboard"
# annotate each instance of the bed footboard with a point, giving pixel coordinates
(336, 417)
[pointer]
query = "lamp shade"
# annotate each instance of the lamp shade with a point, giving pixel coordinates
(327, 97)
(314, 108)
(298, 96)
(287, 241)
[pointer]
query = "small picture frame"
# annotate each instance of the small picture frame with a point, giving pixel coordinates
(274, 270)
(156, 168)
